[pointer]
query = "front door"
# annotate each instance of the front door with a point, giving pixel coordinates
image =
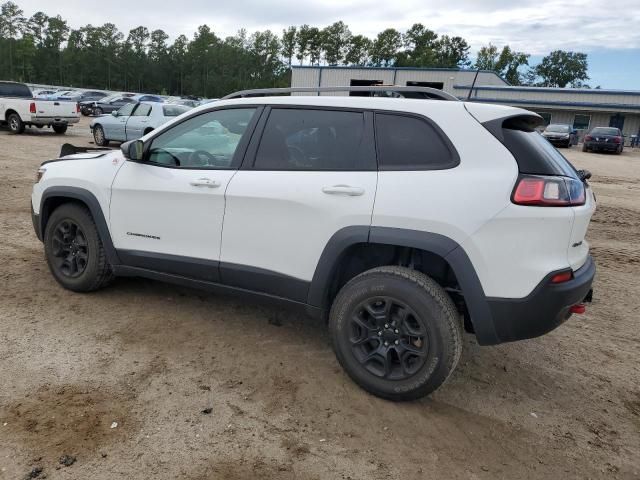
(115, 129)
(166, 212)
(138, 121)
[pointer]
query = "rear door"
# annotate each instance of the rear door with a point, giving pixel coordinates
(311, 173)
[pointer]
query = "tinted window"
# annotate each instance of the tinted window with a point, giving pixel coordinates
(558, 128)
(209, 140)
(15, 90)
(605, 131)
(296, 139)
(142, 110)
(126, 110)
(174, 110)
(409, 143)
(535, 155)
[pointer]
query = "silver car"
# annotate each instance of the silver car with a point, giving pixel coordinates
(133, 121)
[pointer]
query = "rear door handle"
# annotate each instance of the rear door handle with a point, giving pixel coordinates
(343, 190)
(205, 182)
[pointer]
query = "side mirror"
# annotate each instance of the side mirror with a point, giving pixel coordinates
(133, 150)
(114, 113)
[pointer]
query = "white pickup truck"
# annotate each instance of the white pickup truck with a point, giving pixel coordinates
(18, 109)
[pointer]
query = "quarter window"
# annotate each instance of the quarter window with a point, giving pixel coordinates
(409, 143)
(298, 139)
(206, 141)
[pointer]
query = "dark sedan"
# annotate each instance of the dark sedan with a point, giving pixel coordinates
(106, 105)
(606, 139)
(560, 135)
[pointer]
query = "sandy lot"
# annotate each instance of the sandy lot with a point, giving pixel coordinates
(152, 357)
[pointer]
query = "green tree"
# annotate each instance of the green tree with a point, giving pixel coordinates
(385, 47)
(303, 37)
(288, 43)
(315, 45)
(451, 52)
(506, 63)
(12, 23)
(335, 42)
(561, 68)
(420, 44)
(358, 50)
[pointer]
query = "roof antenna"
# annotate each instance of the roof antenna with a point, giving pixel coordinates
(473, 84)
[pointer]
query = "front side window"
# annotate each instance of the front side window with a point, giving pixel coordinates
(298, 139)
(410, 143)
(143, 110)
(209, 140)
(126, 110)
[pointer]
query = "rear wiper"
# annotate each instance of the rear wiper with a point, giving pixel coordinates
(584, 175)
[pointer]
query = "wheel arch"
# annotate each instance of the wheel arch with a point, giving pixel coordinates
(10, 112)
(53, 197)
(436, 249)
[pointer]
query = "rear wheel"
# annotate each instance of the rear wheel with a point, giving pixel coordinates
(97, 111)
(60, 129)
(98, 136)
(16, 124)
(74, 251)
(396, 332)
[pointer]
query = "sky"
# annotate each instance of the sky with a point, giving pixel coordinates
(608, 31)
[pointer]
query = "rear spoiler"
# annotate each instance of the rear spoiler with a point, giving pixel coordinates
(68, 149)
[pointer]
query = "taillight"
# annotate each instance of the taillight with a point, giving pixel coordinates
(77, 108)
(32, 107)
(548, 191)
(588, 137)
(617, 139)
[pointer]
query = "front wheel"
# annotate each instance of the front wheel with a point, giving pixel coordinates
(97, 111)
(74, 251)
(60, 129)
(98, 136)
(16, 125)
(396, 332)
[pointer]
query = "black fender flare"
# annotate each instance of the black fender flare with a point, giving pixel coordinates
(92, 203)
(441, 245)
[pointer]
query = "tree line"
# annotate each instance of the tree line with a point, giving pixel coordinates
(45, 49)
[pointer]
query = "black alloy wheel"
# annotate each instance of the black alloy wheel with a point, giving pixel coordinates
(388, 338)
(69, 249)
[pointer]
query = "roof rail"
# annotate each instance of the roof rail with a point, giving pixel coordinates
(406, 92)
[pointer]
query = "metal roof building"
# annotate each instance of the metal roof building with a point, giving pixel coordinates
(582, 108)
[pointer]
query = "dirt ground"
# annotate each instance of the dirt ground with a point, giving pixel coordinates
(154, 359)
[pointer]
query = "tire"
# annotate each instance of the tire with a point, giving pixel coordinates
(59, 129)
(98, 136)
(77, 258)
(97, 111)
(16, 125)
(418, 306)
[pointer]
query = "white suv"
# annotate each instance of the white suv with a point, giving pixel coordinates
(401, 221)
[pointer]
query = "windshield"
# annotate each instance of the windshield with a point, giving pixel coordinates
(604, 131)
(557, 128)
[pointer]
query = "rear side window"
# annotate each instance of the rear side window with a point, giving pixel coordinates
(174, 110)
(410, 143)
(8, 89)
(299, 139)
(143, 110)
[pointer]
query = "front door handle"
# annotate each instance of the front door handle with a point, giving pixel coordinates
(343, 190)
(204, 182)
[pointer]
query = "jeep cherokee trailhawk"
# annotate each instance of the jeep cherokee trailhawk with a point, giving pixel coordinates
(400, 221)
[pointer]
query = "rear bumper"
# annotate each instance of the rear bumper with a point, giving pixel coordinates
(611, 147)
(54, 120)
(544, 309)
